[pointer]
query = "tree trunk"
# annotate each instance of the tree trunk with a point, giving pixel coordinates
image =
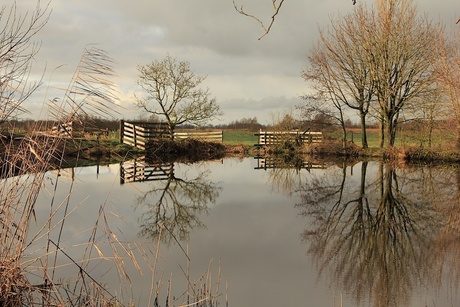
(382, 132)
(363, 130)
(390, 132)
(171, 128)
(458, 134)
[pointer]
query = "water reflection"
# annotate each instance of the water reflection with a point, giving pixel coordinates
(172, 206)
(380, 235)
(285, 172)
(374, 236)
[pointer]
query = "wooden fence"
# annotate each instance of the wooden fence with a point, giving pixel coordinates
(138, 134)
(64, 130)
(209, 136)
(139, 170)
(280, 137)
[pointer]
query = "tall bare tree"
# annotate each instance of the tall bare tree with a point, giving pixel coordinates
(387, 55)
(173, 92)
(401, 54)
(346, 74)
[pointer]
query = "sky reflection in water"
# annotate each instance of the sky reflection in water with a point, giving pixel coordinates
(283, 237)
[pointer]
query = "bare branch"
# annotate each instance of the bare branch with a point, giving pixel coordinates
(276, 10)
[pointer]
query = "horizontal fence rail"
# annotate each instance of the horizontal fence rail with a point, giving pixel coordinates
(280, 137)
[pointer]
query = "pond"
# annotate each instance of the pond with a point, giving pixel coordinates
(259, 232)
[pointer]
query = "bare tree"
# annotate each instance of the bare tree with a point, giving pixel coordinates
(448, 73)
(173, 92)
(17, 52)
(387, 56)
(328, 99)
(341, 54)
(401, 54)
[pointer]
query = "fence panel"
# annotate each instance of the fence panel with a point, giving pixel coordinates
(208, 136)
(279, 137)
(64, 130)
(138, 134)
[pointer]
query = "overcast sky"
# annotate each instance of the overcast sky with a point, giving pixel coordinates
(248, 77)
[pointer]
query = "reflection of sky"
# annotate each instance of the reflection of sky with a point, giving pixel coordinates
(253, 231)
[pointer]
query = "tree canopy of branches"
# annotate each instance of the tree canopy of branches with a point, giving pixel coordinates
(448, 73)
(380, 60)
(17, 52)
(173, 92)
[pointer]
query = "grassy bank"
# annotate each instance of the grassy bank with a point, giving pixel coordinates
(410, 146)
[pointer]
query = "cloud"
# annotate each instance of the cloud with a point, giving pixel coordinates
(210, 34)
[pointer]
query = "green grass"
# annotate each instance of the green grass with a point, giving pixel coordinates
(403, 138)
(239, 137)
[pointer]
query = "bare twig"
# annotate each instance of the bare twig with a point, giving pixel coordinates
(276, 10)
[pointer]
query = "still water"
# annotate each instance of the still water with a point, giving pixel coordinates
(260, 232)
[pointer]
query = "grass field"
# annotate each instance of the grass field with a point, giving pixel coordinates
(239, 137)
(404, 138)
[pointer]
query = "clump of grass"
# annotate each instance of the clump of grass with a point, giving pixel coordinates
(186, 150)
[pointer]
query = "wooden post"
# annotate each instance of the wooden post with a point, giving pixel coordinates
(135, 135)
(122, 130)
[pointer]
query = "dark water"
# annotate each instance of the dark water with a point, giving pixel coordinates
(270, 233)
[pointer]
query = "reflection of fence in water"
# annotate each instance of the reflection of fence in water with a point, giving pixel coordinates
(139, 170)
(277, 162)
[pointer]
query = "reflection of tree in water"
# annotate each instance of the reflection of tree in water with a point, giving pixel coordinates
(173, 206)
(373, 237)
(445, 260)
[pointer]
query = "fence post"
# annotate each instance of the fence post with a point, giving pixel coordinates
(122, 130)
(135, 135)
